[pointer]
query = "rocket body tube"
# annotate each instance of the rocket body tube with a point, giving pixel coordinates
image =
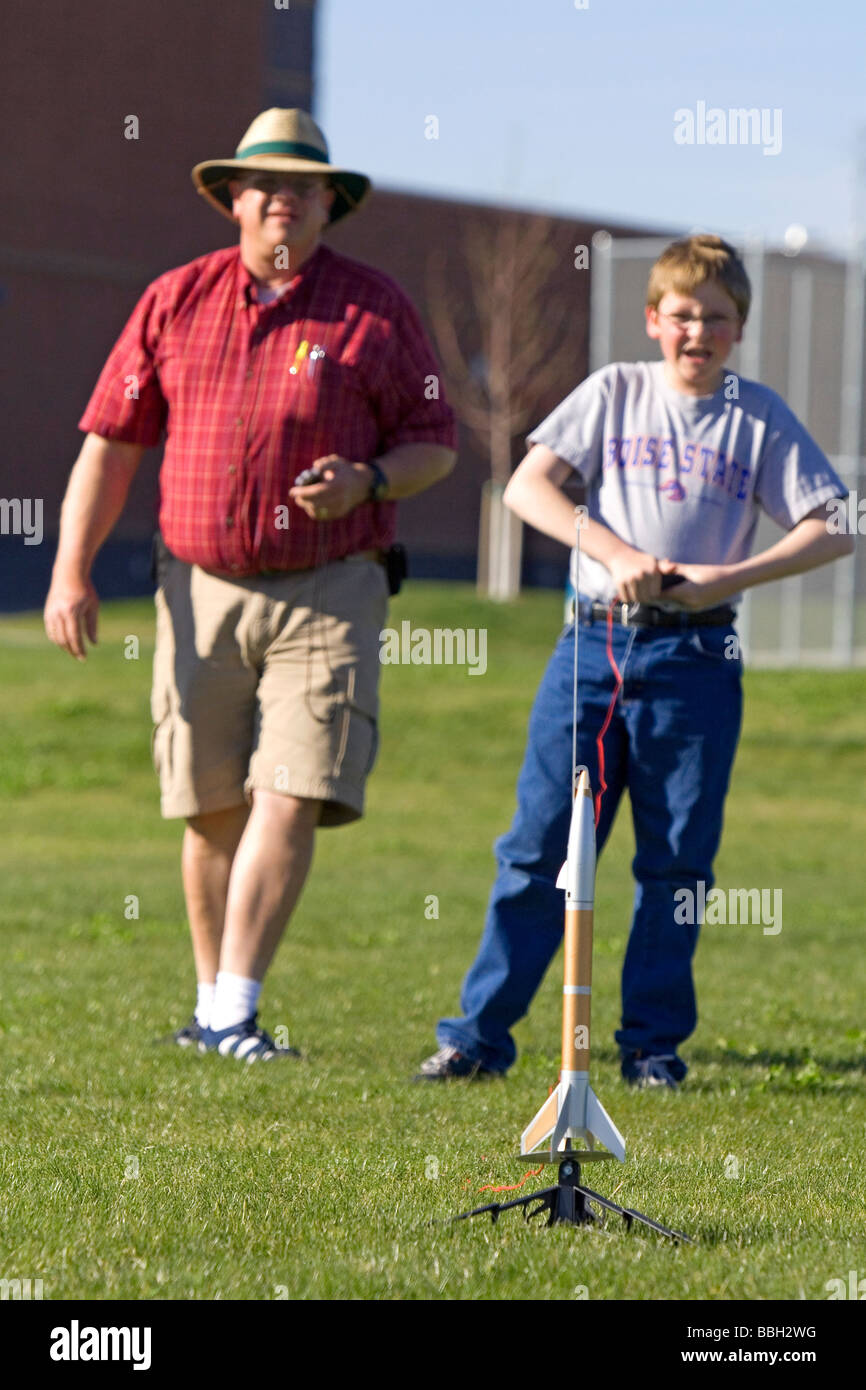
(572, 1111)
(579, 874)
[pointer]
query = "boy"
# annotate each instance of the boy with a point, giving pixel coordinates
(677, 458)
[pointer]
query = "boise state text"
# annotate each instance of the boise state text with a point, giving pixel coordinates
(652, 451)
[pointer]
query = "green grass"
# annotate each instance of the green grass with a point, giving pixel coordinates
(135, 1171)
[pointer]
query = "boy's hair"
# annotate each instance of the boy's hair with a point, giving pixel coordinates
(698, 260)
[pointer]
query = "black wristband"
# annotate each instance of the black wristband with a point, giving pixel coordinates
(379, 485)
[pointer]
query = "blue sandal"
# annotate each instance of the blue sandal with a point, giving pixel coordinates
(245, 1041)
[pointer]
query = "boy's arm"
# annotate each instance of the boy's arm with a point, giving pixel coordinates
(535, 494)
(807, 545)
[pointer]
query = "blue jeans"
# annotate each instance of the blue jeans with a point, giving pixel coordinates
(671, 742)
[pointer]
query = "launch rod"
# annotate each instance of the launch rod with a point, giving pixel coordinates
(577, 947)
(580, 515)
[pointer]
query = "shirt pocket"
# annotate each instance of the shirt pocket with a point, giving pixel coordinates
(323, 387)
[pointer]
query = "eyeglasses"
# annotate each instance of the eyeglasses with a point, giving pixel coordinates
(274, 183)
(714, 322)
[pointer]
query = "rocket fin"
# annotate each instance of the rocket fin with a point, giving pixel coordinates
(542, 1125)
(560, 882)
(565, 1126)
(601, 1126)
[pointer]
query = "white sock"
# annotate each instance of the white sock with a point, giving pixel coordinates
(235, 999)
(203, 1003)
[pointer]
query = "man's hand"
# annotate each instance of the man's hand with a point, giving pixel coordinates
(637, 576)
(97, 489)
(344, 486)
(72, 607)
(704, 586)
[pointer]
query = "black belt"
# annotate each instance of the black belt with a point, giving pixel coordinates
(645, 615)
(376, 555)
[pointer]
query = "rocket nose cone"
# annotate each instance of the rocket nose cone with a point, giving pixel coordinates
(583, 784)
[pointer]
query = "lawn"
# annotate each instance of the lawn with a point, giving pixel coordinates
(132, 1170)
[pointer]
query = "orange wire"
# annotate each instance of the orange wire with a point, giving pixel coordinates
(513, 1186)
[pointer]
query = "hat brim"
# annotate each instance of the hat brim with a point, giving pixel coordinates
(212, 179)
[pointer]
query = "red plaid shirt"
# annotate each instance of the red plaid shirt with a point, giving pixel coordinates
(250, 394)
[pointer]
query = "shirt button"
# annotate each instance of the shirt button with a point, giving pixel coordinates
(235, 567)
(230, 521)
(239, 420)
(249, 373)
(232, 468)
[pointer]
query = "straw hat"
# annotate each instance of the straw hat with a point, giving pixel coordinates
(285, 141)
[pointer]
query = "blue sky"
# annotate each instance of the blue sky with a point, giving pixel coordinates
(544, 105)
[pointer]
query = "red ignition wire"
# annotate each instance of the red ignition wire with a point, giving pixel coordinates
(513, 1186)
(602, 784)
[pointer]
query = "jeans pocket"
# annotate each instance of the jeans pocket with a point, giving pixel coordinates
(718, 644)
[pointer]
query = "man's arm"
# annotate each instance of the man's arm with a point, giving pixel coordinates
(95, 495)
(409, 468)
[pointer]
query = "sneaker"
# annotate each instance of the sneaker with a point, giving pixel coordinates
(245, 1041)
(663, 1069)
(450, 1065)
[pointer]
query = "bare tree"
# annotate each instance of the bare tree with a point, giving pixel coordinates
(519, 325)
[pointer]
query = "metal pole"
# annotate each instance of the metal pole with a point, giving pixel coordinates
(850, 443)
(751, 355)
(750, 366)
(601, 301)
(799, 366)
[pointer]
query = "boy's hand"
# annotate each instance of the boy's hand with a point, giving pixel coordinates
(637, 576)
(704, 586)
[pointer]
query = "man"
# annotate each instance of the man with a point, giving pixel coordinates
(261, 362)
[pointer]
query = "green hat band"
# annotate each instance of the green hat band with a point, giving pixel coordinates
(283, 147)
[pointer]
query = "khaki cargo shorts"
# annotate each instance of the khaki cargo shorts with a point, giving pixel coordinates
(268, 682)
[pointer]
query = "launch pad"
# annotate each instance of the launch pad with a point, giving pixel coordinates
(569, 1202)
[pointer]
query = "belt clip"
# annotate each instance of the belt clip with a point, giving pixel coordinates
(623, 615)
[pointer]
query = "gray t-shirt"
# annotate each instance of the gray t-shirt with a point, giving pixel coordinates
(684, 477)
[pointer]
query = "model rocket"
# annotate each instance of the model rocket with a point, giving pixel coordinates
(572, 1111)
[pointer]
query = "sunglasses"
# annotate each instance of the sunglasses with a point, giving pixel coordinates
(300, 186)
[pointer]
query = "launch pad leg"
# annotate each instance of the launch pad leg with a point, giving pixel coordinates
(570, 1203)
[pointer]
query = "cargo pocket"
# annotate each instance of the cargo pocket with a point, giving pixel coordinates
(359, 735)
(161, 748)
(160, 694)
